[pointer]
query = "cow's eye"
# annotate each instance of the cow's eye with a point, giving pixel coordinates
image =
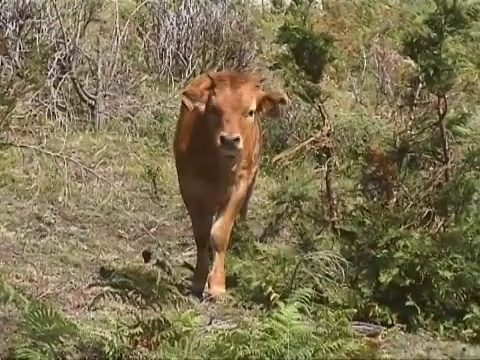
(251, 113)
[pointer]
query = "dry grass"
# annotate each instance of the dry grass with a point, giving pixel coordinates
(73, 205)
(61, 223)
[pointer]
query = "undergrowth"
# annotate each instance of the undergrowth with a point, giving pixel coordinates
(295, 328)
(368, 213)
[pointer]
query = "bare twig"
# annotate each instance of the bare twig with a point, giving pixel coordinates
(330, 165)
(197, 36)
(99, 109)
(323, 140)
(54, 155)
(292, 151)
(442, 109)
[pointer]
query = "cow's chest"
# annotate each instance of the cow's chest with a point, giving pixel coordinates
(216, 182)
(227, 180)
(224, 191)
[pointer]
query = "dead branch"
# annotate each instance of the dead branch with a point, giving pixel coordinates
(322, 140)
(68, 62)
(442, 109)
(177, 42)
(330, 168)
(99, 68)
(99, 108)
(310, 141)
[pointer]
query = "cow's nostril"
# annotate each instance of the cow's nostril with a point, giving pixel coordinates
(222, 139)
(230, 141)
(236, 139)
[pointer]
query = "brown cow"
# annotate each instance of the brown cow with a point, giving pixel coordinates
(217, 152)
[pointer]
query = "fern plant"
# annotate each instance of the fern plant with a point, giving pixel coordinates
(154, 298)
(140, 287)
(284, 271)
(296, 329)
(45, 333)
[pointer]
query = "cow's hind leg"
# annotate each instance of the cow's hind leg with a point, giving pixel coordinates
(202, 220)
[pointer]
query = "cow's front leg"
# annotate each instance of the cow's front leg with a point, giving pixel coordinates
(220, 237)
(202, 224)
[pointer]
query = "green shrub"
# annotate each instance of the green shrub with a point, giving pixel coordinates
(408, 199)
(413, 240)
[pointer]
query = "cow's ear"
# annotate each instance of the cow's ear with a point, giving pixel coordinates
(195, 96)
(195, 99)
(270, 103)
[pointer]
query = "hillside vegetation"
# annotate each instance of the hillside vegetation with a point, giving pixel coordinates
(363, 236)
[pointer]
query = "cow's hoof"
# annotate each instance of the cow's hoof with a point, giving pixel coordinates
(216, 291)
(197, 291)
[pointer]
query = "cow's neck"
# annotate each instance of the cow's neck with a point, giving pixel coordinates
(228, 169)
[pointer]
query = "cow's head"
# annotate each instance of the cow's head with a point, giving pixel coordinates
(231, 103)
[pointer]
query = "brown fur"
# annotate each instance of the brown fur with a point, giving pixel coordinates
(216, 182)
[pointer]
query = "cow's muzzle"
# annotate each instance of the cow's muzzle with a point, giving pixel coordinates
(230, 145)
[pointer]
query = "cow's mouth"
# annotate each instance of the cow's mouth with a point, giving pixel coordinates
(230, 153)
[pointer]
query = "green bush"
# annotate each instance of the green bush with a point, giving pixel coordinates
(409, 227)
